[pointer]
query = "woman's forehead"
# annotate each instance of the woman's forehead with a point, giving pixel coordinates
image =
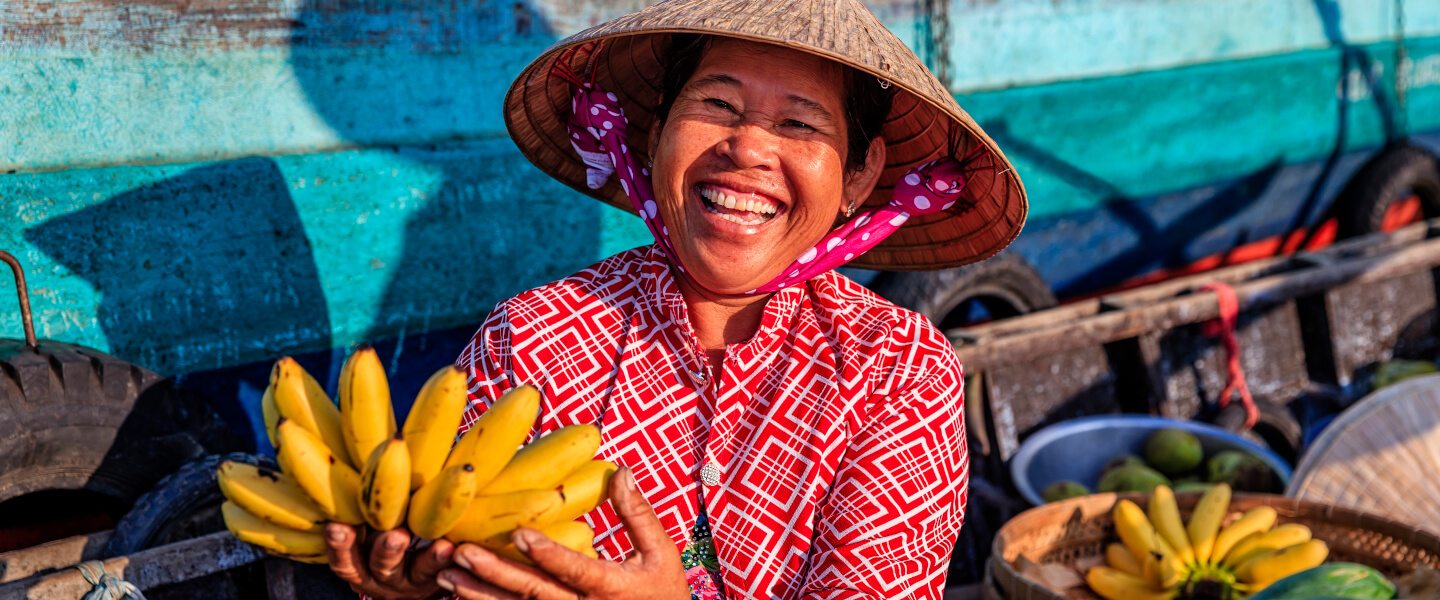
(759, 65)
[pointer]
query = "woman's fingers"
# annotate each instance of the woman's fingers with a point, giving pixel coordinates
(344, 554)
(466, 587)
(387, 557)
(643, 527)
(567, 566)
(430, 561)
(523, 581)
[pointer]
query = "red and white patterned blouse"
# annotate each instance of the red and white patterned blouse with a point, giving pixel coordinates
(833, 443)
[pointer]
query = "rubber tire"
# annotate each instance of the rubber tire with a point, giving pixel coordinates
(1006, 277)
(1361, 208)
(190, 489)
(1277, 428)
(186, 505)
(74, 418)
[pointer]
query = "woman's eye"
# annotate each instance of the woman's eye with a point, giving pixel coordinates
(719, 103)
(794, 123)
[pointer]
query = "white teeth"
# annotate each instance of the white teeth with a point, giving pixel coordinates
(719, 198)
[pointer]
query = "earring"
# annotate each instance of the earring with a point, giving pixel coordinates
(849, 210)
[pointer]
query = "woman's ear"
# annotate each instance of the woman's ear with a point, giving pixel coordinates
(860, 184)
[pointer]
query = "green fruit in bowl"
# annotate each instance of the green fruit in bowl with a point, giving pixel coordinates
(1173, 451)
(1124, 460)
(1132, 478)
(1241, 470)
(1064, 490)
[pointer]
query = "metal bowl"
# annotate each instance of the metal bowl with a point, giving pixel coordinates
(1078, 449)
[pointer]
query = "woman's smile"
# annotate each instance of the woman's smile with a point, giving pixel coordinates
(747, 209)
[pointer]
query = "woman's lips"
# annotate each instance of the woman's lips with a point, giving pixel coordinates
(737, 207)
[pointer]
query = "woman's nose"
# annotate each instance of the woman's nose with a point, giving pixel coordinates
(750, 146)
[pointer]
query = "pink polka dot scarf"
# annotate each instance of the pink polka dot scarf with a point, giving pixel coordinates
(597, 128)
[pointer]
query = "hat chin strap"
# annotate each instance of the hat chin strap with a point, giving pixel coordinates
(598, 129)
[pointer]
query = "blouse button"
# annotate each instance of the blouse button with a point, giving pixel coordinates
(710, 474)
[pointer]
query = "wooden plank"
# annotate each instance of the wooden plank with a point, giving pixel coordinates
(280, 579)
(25, 562)
(172, 563)
(1357, 247)
(1196, 308)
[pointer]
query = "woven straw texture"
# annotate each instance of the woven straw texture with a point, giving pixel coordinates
(1381, 456)
(920, 128)
(1064, 532)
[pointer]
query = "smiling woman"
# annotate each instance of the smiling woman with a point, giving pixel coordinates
(786, 433)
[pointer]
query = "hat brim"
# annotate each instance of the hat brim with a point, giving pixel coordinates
(925, 123)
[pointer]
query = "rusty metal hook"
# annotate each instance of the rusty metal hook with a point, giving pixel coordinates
(24, 294)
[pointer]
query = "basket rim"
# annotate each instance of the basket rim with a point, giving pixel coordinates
(1008, 577)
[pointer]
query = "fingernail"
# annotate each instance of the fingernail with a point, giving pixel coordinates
(393, 545)
(462, 561)
(525, 539)
(444, 581)
(335, 535)
(629, 481)
(443, 554)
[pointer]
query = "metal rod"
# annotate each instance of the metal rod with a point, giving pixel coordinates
(24, 297)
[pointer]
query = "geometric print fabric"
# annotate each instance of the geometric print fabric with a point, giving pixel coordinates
(837, 430)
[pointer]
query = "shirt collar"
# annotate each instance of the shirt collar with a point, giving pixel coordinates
(662, 291)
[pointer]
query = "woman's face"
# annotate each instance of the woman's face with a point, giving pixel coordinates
(749, 167)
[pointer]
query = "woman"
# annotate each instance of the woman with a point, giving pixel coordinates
(787, 433)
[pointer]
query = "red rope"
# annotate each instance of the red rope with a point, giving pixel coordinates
(1224, 328)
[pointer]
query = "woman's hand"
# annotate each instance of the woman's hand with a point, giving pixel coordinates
(652, 572)
(392, 571)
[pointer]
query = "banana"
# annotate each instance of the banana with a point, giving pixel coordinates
(270, 414)
(1115, 585)
(575, 535)
(314, 559)
(586, 488)
(1120, 559)
(495, 437)
(1154, 554)
(1256, 520)
(367, 418)
(1257, 544)
(270, 495)
(273, 538)
(545, 462)
(439, 505)
(299, 398)
(490, 519)
(434, 419)
(1165, 515)
(1265, 570)
(330, 483)
(385, 485)
(1205, 521)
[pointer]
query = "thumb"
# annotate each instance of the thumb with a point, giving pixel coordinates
(644, 528)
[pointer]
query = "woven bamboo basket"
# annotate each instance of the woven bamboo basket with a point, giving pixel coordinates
(1078, 529)
(1381, 456)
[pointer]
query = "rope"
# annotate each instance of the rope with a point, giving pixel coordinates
(107, 586)
(1224, 328)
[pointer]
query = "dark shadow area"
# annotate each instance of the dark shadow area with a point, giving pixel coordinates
(230, 269)
(495, 225)
(1157, 246)
(1351, 57)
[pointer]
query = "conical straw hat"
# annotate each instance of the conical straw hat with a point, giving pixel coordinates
(924, 124)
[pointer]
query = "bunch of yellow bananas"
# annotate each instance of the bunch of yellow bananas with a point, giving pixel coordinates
(349, 465)
(1160, 558)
